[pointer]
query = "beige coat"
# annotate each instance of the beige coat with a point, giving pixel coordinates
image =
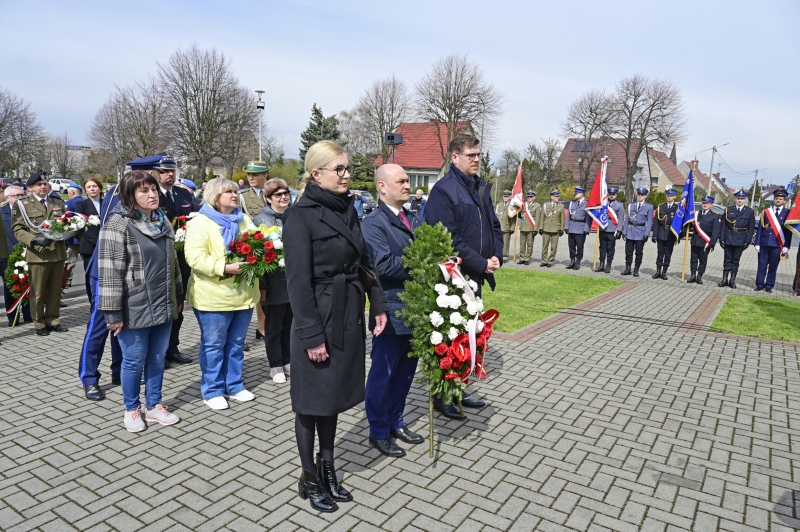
(552, 217)
(536, 213)
(37, 214)
(506, 222)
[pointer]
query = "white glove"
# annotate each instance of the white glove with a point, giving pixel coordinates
(758, 249)
(784, 251)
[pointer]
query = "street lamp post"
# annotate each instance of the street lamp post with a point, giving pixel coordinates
(483, 121)
(260, 107)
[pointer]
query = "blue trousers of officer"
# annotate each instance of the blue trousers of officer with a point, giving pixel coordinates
(388, 383)
(768, 260)
(94, 343)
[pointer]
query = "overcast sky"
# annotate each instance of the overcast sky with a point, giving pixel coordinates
(736, 62)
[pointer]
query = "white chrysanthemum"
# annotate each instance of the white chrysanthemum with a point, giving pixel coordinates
(480, 304)
(472, 308)
(472, 284)
(443, 301)
(436, 338)
(458, 282)
(26, 267)
(452, 333)
(282, 263)
(479, 328)
(16, 272)
(456, 318)
(436, 319)
(455, 302)
(192, 215)
(277, 244)
(441, 289)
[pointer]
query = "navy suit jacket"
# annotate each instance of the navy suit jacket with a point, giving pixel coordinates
(765, 236)
(5, 210)
(387, 237)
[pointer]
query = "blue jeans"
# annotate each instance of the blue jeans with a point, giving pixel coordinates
(222, 336)
(146, 348)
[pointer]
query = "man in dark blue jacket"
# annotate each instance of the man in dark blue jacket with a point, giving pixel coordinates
(772, 241)
(462, 201)
(388, 230)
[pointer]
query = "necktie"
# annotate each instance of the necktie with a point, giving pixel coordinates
(171, 197)
(44, 202)
(404, 219)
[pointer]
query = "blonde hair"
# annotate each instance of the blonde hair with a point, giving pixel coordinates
(215, 188)
(318, 156)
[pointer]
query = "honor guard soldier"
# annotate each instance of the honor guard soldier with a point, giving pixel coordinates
(529, 217)
(507, 223)
(613, 231)
(576, 226)
(251, 200)
(635, 228)
(739, 224)
(551, 227)
(772, 242)
(663, 235)
(707, 228)
(174, 201)
(46, 267)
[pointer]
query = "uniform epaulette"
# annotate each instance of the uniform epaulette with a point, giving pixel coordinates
(4, 203)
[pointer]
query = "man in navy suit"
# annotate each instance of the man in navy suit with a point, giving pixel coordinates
(772, 241)
(13, 193)
(387, 231)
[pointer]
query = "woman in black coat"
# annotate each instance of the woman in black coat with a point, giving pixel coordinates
(328, 272)
(90, 207)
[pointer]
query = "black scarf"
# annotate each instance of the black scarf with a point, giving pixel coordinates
(341, 205)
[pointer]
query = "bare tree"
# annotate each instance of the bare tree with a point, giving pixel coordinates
(205, 110)
(384, 106)
(645, 112)
(540, 169)
(111, 132)
(10, 108)
(242, 120)
(587, 119)
(356, 135)
(144, 106)
(454, 96)
(20, 133)
(64, 161)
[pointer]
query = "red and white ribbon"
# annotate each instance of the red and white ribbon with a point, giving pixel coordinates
(776, 228)
(528, 215)
(700, 232)
(450, 270)
(19, 300)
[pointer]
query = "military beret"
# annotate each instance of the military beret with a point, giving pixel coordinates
(35, 178)
(189, 183)
(781, 192)
(256, 167)
(531, 193)
(613, 191)
(580, 190)
(555, 193)
(75, 185)
(741, 194)
(708, 199)
(670, 192)
(642, 191)
(506, 193)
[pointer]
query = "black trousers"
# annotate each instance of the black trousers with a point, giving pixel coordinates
(86, 258)
(575, 243)
(607, 244)
(665, 248)
(630, 247)
(277, 333)
(699, 259)
(732, 256)
(186, 272)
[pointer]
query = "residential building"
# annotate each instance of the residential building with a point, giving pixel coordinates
(710, 184)
(577, 153)
(663, 171)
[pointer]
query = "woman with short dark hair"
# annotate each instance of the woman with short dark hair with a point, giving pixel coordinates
(90, 206)
(139, 290)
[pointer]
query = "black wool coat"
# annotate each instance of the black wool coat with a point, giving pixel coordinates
(323, 256)
(92, 232)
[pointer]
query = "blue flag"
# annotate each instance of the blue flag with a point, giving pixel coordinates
(685, 214)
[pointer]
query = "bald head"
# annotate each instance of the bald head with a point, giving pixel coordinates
(392, 185)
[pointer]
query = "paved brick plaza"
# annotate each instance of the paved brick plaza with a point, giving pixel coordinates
(623, 414)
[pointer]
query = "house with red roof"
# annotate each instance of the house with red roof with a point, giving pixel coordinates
(664, 172)
(577, 153)
(710, 184)
(420, 154)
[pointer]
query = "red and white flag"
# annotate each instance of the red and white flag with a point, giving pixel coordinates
(517, 201)
(597, 206)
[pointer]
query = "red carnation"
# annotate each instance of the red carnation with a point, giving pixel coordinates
(232, 246)
(446, 363)
(451, 376)
(252, 259)
(258, 236)
(245, 236)
(181, 217)
(268, 244)
(441, 349)
(246, 249)
(270, 256)
(17, 288)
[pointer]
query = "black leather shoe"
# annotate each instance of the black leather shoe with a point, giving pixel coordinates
(406, 436)
(57, 328)
(116, 381)
(732, 282)
(62, 304)
(699, 278)
(608, 267)
(520, 262)
(259, 336)
(246, 347)
(768, 290)
(93, 392)
(472, 403)
(758, 288)
(527, 263)
(387, 447)
(42, 332)
(450, 410)
(327, 477)
(311, 488)
(542, 265)
(179, 358)
(167, 365)
(549, 265)
(627, 270)
(636, 271)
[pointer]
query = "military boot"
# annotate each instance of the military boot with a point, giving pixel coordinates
(627, 270)
(601, 267)
(608, 267)
(664, 272)
(571, 263)
(657, 275)
(636, 270)
(693, 278)
(699, 278)
(724, 281)
(577, 265)
(732, 282)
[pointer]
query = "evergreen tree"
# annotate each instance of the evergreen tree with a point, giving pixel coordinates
(319, 128)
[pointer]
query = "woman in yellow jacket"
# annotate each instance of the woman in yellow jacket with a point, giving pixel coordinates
(223, 310)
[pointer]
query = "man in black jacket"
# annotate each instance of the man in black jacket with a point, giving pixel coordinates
(739, 224)
(707, 228)
(663, 235)
(462, 201)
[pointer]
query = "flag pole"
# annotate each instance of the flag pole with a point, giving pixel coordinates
(596, 247)
(685, 249)
(514, 249)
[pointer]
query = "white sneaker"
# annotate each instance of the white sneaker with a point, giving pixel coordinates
(216, 403)
(277, 375)
(243, 396)
(287, 369)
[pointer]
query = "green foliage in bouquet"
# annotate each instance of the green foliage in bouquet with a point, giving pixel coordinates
(432, 246)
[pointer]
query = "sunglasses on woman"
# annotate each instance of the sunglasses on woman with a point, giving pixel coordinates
(284, 194)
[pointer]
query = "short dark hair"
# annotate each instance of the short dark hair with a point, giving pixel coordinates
(273, 185)
(462, 141)
(130, 183)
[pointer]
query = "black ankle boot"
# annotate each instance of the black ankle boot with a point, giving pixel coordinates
(577, 265)
(627, 269)
(311, 488)
(724, 281)
(699, 278)
(693, 278)
(732, 282)
(327, 477)
(571, 264)
(601, 267)
(664, 273)
(636, 270)
(608, 267)
(657, 275)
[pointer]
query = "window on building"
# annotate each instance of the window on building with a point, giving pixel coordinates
(582, 145)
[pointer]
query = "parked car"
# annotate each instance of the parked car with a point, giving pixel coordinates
(369, 202)
(61, 185)
(293, 194)
(5, 181)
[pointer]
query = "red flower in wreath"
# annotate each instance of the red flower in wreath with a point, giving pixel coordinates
(246, 249)
(17, 287)
(268, 244)
(258, 236)
(245, 236)
(441, 349)
(252, 259)
(446, 363)
(270, 256)
(451, 376)
(232, 246)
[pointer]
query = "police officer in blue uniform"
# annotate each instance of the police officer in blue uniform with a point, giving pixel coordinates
(608, 236)
(576, 226)
(635, 228)
(768, 243)
(739, 223)
(710, 224)
(663, 235)
(174, 201)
